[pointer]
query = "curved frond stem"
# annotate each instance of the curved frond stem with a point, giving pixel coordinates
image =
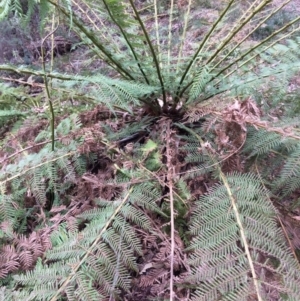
(246, 82)
(251, 58)
(127, 40)
(93, 245)
(251, 32)
(63, 77)
(242, 233)
(89, 98)
(92, 37)
(103, 26)
(239, 25)
(200, 48)
(254, 56)
(183, 37)
(152, 51)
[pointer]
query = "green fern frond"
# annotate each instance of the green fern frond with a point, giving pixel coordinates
(118, 244)
(221, 268)
(4, 8)
(11, 214)
(289, 179)
(85, 289)
(200, 82)
(10, 113)
(262, 142)
(16, 7)
(183, 189)
(147, 195)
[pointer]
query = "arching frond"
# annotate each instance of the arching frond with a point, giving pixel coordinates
(221, 266)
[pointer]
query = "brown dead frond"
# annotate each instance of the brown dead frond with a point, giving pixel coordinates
(23, 252)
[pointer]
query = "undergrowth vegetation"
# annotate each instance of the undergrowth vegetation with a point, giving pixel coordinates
(166, 166)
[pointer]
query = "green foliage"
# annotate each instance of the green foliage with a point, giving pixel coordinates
(208, 69)
(166, 160)
(221, 267)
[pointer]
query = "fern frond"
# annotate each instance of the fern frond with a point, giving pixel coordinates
(10, 113)
(4, 8)
(117, 244)
(221, 267)
(289, 179)
(262, 142)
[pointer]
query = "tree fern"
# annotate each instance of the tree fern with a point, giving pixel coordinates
(181, 117)
(223, 63)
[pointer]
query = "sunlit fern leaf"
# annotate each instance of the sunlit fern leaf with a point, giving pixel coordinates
(221, 269)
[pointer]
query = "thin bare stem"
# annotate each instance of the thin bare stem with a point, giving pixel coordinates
(170, 177)
(93, 38)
